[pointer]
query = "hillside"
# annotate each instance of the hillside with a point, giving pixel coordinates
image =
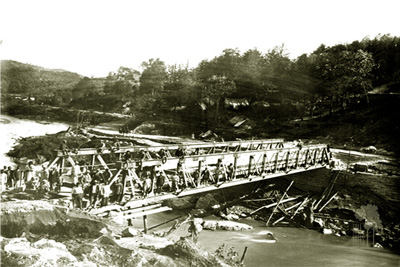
(20, 78)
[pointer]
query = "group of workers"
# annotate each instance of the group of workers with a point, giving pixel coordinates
(153, 180)
(98, 186)
(40, 181)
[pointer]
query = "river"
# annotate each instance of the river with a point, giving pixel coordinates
(294, 246)
(13, 128)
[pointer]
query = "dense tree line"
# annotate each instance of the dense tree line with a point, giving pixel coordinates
(330, 77)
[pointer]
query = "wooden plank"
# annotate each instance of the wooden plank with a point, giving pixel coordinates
(106, 208)
(139, 209)
(327, 202)
(301, 205)
(273, 205)
(147, 212)
(283, 196)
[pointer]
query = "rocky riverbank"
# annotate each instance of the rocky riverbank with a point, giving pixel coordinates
(38, 233)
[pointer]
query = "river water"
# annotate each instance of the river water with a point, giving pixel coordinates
(294, 246)
(12, 128)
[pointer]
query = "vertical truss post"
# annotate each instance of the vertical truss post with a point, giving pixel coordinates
(306, 160)
(93, 160)
(62, 165)
(287, 161)
(315, 155)
(264, 162)
(234, 166)
(200, 166)
(145, 224)
(251, 159)
(276, 162)
(297, 159)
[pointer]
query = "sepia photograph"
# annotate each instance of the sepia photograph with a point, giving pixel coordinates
(200, 133)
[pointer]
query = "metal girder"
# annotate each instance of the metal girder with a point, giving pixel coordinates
(217, 146)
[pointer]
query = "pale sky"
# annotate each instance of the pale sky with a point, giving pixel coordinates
(95, 37)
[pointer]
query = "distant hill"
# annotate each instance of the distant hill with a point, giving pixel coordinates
(21, 78)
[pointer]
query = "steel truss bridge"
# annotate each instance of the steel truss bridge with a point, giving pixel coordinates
(252, 161)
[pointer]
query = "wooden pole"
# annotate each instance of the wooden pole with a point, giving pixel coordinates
(327, 202)
(283, 196)
(145, 224)
(244, 255)
(272, 205)
(301, 205)
(158, 225)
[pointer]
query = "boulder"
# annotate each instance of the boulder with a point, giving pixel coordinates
(130, 232)
(180, 203)
(225, 225)
(319, 222)
(360, 167)
(116, 217)
(206, 202)
(327, 231)
(197, 212)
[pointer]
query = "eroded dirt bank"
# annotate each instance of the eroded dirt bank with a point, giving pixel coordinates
(39, 233)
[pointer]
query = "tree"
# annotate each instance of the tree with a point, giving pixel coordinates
(275, 71)
(85, 87)
(21, 80)
(217, 88)
(179, 88)
(124, 82)
(153, 77)
(341, 72)
(248, 81)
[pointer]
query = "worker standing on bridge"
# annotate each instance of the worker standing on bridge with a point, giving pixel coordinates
(179, 166)
(94, 192)
(206, 176)
(107, 176)
(106, 191)
(79, 195)
(196, 178)
(127, 156)
(182, 180)
(101, 147)
(76, 171)
(162, 153)
(64, 147)
(44, 174)
(160, 182)
(158, 179)
(147, 184)
(53, 176)
(175, 182)
(299, 144)
(230, 172)
(60, 182)
(99, 176)
(74, 194)
(29, 173)
(118, 191)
